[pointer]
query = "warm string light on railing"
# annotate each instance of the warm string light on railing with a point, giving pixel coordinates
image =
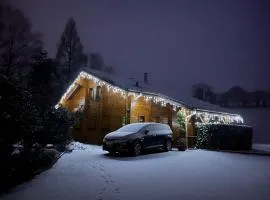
(221, 118)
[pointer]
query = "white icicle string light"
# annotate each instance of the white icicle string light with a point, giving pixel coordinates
(225, 118)
(155, 99)
(221, 118)
(96, 81)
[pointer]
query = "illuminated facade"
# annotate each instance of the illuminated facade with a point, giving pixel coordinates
(108, 106)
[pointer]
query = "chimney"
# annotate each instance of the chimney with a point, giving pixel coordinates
(145, 78)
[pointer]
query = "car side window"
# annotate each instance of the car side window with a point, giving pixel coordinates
(145, 128)
(150, 128)
(159, 128)
(162, 129)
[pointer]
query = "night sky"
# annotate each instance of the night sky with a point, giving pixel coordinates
(221, 43)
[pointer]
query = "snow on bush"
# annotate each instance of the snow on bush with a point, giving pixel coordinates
(77, 146)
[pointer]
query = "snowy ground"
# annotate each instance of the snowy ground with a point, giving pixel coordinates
(89, 173)
(261, 147)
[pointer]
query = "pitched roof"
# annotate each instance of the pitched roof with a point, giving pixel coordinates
(174, 97)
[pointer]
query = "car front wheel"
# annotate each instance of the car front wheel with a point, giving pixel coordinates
(168, 145)
(137, 149)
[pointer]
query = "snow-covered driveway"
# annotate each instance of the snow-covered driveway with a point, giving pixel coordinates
(90, 174)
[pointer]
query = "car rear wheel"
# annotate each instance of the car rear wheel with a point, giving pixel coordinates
(168, 145)
(137, 149)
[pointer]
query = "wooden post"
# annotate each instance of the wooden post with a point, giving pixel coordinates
(100, 118)
(187, 120)
(150, 111)
(128, 109)
(86, 94)
(169, 115)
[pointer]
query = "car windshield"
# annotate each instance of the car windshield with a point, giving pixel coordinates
(131, 128)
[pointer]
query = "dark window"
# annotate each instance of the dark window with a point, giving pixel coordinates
(141, 119)
(98, 93)
(156, 119)
(95, 93)
(91, 94)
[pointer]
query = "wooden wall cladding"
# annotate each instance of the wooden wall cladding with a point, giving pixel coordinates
(161, 112)
(112, 110)
(140, 107)
(76, 99)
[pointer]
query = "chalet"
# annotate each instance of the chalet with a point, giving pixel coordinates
(109, 104)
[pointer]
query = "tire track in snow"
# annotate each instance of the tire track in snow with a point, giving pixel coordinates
(109, 183)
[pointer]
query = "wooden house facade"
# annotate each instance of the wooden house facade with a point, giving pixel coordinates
(108, 106)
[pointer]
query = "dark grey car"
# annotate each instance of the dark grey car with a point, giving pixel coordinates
(136, 137)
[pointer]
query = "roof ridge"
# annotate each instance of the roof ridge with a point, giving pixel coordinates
(162, 97)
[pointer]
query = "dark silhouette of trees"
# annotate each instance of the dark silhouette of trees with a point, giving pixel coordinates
(18, 43)
(237, 96)
(109, 70)
(42, 81)
(30, 83)
(96, 61)
(203, 92)
(70, 54)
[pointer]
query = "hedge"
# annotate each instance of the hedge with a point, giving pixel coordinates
(224, 137)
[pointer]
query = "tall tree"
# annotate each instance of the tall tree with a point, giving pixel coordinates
(70, 50)
(96, 61)
(237, 96)
(203, 92)
(42, 81)
(109, 70)
(18, 43)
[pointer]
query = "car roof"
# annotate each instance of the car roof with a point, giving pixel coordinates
(145, 123)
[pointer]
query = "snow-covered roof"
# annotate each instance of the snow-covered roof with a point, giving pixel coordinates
(172, 96)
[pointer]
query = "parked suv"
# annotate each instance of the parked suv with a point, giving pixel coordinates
(136, 137)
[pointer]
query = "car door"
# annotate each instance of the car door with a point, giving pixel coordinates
(149, 137)
(160, 135)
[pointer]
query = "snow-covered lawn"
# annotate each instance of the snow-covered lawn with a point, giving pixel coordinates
(261, 147)
(89, 173)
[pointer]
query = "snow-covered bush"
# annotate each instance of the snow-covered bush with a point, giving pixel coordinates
(223, 136)
(21, 126)
(23, 166)
(182, 123)
(19, 118)
(77, 146)
(58, 126)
